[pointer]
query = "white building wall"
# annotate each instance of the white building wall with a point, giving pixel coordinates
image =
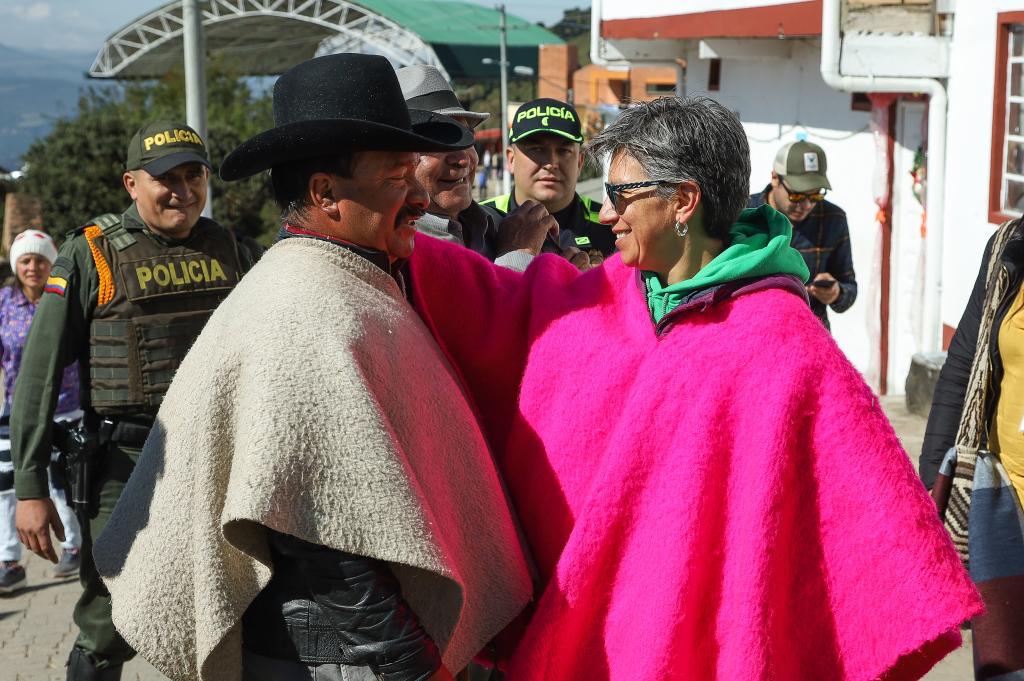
(971, 92)
(778, 98)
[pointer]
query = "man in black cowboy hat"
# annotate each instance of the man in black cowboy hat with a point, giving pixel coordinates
(317, 487)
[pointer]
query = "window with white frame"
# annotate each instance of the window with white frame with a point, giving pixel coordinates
(660, 89)
(1012, 182)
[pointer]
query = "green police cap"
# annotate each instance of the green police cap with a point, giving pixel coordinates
(157, 147)
(803, 166)
(545, 115)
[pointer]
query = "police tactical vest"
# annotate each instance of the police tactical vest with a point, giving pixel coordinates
(154, 299)
(501, 202)
(591, 208)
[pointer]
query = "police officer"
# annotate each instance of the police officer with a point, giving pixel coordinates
(546, 157)
(127, 296)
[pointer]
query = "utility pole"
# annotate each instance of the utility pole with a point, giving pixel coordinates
(503, 56)
(195, 77)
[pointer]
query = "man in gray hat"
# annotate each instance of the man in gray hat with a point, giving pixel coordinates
(820, 232)
(453, 215)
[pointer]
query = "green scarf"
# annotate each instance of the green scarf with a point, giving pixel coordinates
(759, 246)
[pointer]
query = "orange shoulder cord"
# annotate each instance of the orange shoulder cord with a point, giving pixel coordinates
(106, 293)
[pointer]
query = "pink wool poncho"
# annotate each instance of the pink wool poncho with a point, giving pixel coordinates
(723, 501)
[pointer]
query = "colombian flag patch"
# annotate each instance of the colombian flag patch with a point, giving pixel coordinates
(56, 285)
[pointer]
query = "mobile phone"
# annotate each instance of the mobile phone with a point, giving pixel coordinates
(550, 245)
(824, 283)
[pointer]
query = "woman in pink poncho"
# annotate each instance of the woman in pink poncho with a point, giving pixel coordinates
(708, 487)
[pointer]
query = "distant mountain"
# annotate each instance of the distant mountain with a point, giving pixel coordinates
(45, 64)
(36, 89)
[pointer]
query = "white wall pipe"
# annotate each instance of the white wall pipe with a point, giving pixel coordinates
(595, 34)
(831, 45)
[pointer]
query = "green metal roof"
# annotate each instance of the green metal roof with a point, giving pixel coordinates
(450, 22)
(462, 34)
(269, 36)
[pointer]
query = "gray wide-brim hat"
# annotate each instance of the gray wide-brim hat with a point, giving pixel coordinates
(425, 87)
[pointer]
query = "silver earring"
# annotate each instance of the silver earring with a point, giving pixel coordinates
(681, 230)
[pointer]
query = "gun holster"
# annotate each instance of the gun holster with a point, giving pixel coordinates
(82, 447)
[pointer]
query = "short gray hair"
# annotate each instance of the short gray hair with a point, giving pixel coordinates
(686, 139)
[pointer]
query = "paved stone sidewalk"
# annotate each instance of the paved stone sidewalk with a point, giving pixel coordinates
(36, 631)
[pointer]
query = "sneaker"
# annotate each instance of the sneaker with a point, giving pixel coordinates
(12, 577)
(70, 561)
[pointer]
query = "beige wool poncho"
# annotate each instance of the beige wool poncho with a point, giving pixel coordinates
(315, 403)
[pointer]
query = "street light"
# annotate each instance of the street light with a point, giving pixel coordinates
(503, 64)
(503, 68)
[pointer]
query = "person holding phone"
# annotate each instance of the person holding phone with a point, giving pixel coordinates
(820, 231)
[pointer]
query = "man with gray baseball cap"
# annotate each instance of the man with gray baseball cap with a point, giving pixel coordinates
(510, 241)
(820, 232)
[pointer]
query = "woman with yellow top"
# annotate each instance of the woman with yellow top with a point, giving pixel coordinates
(975, 434)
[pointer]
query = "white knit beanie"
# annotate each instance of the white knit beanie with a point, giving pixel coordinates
(33, 241)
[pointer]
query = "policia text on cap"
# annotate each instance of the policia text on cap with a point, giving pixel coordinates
(127, 296)
(546, 159)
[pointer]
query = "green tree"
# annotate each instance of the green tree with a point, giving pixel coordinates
(574, 28)
(76, 170)
(486, 96)
(574, 22)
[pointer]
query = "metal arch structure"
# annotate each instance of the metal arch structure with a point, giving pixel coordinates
(265, 37)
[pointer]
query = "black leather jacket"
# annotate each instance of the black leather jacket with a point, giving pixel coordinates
(951, 389)
(326, 606)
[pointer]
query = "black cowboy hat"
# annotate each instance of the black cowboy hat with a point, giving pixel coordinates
(342, 102)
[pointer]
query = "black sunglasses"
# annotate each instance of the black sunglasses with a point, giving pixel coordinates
(798, 197)
(614, 191)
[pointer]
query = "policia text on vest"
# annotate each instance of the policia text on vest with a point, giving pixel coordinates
(160, 302)
(167, 275)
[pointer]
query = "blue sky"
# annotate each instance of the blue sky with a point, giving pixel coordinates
(83, 25)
